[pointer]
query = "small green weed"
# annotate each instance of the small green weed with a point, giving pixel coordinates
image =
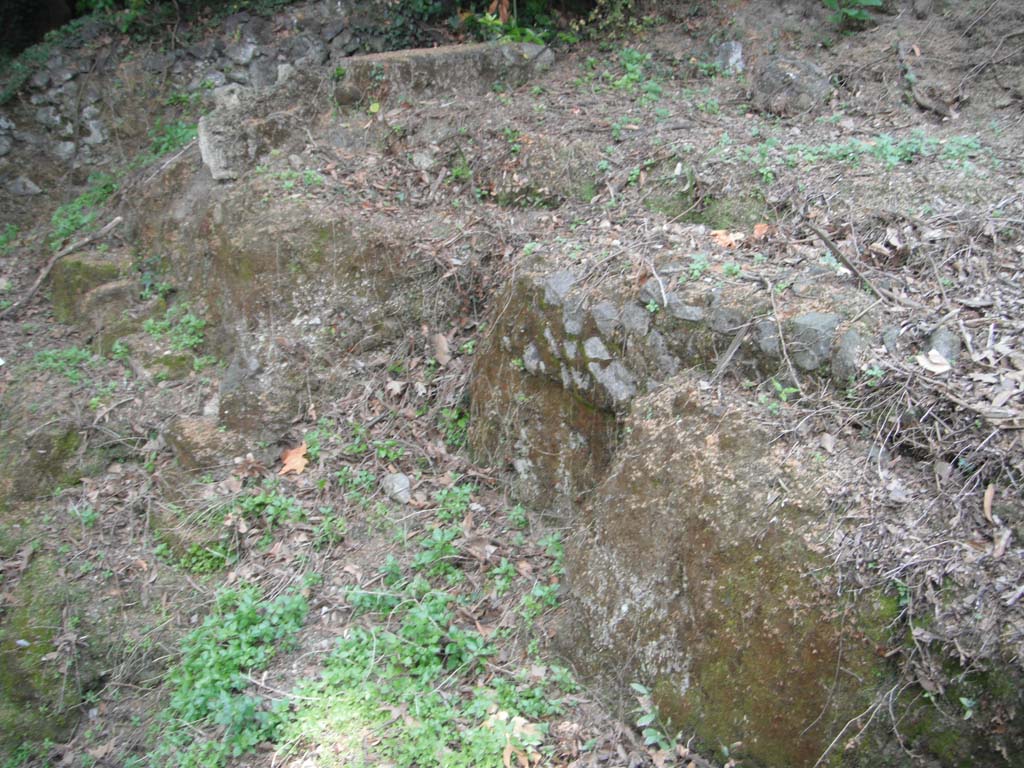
(454, 425)
(699, 264)
(7, 239)
(165, 138)
(272, 507)
(453, 501)
(210, 717)
(782, 394)
(331, 529)
(182, 329)
(81, 212)
(850, 11)
(85, 514)
(68, 362)
(207, 558)
(653, 727)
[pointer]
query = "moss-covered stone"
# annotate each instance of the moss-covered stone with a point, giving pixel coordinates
(37, 699)
(36, 464)
(73, 277)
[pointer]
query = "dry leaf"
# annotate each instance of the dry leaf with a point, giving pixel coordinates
(934, 362)
(395, 388)
(294, 460)
(986, 502)
(727, 239)
(441, 351)
(761, 230)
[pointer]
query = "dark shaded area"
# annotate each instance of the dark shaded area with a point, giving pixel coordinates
(25, 22)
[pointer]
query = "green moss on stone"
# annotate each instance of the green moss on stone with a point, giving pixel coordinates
(35, 699)
(72, 278)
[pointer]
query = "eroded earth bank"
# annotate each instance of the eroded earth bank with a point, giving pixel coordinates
(653, 399)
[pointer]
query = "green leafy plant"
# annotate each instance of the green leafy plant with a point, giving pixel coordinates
(652, 726)
(182, 329)
(847, 11)
(81, 212)
(211, 716)
(207, 558)
(453, 501)
(272, 507)
(67, 362)
(7, 238)
(782, 394)
(454, 425)
(165, 138)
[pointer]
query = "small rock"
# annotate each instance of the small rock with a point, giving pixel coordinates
(766, 336)
(344, 45)
(97, 134)
(48, 117)
(240, 53)
(730, 57)
(331, 30)
(64, 150)
(636, 319)
(681, 311)
(655, 290)
(618, 382)
(726, 320)
(532, 361)
(557, 287)
(846, 358)
(606, 317)
(214, 78)
(5, 145)
(946, 342)
(397, 487)
(595, 349)
(572, 318)
(40, 79)
(228, 96)
(308, 51)
(263, 73)
(423, 161)
(6, 124)
(284, 71)
(809, 341)
(240, 76)
(158, 62)
(786, 85)
(23, 187)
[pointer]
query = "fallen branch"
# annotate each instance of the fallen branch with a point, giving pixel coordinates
(12, 310)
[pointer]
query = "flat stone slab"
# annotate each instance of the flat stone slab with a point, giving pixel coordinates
(449, 68)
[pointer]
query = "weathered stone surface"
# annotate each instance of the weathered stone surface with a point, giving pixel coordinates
(471, 68)
(691, 573)
(809, 339)
(74, 276)
(22, 186)
(201, 443)
(785, 85)
(729, 57)
(397, 487)
(946, 342)
(846, 359)
(36, 699)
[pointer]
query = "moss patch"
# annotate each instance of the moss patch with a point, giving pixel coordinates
(35, 700)
(73, 277)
